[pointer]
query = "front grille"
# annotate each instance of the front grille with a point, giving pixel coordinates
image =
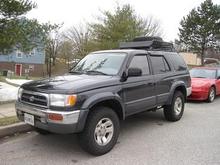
(34, 98)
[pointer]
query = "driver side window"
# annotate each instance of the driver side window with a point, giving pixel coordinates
(140, 61)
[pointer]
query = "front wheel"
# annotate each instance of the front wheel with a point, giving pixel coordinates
(212, 95)
(101, 131)
(175, 111)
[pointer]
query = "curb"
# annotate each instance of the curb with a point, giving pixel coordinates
(13, 84)
(14, 128)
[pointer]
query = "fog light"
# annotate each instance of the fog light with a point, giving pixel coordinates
(56, 117)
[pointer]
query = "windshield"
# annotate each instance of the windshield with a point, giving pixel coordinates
(100, 63)
(203, 73)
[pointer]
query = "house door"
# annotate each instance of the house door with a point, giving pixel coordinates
(18, 68)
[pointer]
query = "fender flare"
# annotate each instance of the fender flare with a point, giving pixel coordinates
(94, 99)
(173, 88)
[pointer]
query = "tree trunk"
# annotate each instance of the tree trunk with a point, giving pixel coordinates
(68, 63)
(54, 61)
(202, 55)
(49, 66)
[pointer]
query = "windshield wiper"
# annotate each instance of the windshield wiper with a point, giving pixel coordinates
(77, 72)
(95, 71)
(199, 77)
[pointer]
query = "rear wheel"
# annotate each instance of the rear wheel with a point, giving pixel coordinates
(212, 95)
(175, 111)
(101, 131)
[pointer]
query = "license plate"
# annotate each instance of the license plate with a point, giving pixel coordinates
(29, 119)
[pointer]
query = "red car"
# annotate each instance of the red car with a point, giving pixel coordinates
(205, 83)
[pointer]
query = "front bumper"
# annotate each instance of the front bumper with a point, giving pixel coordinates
(198, 95)
(73, 121)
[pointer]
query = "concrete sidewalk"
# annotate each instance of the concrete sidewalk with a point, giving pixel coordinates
(7, 110)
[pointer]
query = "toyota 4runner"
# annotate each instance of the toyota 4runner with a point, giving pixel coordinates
(106, 87)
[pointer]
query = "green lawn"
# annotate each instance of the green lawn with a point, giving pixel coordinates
(2, 79)
(8, 120)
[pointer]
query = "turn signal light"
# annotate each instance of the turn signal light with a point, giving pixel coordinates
(71, 100)
(56, 117)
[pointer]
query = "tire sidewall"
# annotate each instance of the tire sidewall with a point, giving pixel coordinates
(169, 111)
(209, 99)
(88, 141)
(115, 130)
(178, 95)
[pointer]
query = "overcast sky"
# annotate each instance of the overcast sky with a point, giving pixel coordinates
(73, 12)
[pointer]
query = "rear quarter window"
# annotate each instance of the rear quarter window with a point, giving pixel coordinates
(178, 62)
(159, 64)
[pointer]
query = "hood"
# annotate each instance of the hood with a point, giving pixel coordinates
(71, 83)
(198, 82)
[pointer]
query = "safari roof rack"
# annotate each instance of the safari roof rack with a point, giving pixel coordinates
(148, 43)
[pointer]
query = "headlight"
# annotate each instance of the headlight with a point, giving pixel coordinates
(20, 90)
(62, 100)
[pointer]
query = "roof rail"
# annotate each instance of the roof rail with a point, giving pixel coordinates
(148, 43)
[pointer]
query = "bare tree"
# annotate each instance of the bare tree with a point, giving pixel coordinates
(52, 47)
(151, 27)
(66, 52)
(80, 39)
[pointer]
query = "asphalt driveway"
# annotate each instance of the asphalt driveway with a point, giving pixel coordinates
(145, 139)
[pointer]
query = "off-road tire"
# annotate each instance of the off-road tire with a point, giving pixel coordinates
(87, 138)
(169, 110)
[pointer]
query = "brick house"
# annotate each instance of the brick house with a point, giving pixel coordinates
(22, 63)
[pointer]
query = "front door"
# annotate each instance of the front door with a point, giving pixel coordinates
(18, 69)
(139, 92)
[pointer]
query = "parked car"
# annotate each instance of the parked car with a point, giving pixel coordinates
(205, 83)
(105, 87)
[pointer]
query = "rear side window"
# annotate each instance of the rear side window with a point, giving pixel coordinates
(140, 61)
(159, 64)
(178, 62)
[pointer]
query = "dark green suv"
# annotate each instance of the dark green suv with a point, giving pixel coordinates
(104, 88)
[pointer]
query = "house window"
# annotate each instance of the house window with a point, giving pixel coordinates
(31, 67)
(19, 54)
(32, 52)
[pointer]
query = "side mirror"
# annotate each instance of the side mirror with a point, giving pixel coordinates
(133, 72)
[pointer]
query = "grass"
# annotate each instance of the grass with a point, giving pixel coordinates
(2, 79)
(8, 120)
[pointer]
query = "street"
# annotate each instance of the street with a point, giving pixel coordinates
(145, 138)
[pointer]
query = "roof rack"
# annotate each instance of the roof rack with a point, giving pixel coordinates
(148, 43)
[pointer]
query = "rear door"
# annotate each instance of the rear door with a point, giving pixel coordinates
(139, 92)
(163, 78)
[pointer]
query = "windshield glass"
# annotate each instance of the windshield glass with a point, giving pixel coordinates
(100, 63)
(203, 73)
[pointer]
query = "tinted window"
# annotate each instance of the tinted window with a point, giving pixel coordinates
(159, 64)
(178, 62)
(140, 62)
(166, 65)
